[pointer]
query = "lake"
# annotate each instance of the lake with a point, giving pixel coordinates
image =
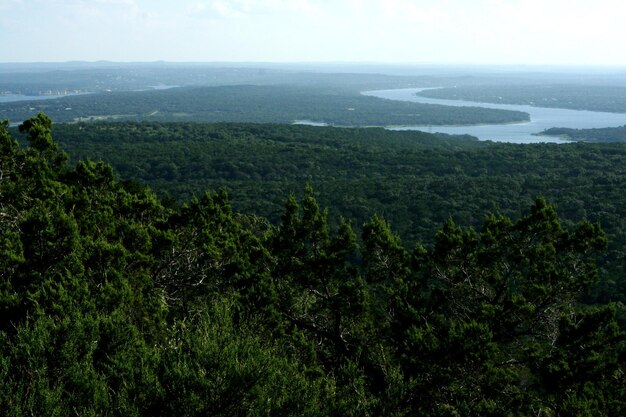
(541, 118)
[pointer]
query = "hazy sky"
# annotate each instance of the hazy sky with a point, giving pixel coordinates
(406, 31)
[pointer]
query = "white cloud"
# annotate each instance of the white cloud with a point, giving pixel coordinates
(513, 31)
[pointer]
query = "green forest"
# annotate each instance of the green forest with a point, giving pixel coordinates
(41, 78)
(597, 135)
(333, 105)
(119, 301)
(604, 98)
(416, 180)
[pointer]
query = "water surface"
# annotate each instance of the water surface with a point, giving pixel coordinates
(541, 118)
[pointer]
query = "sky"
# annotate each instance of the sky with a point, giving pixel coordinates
(515, 32)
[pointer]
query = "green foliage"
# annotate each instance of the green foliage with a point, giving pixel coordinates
(39, 129)
(598, 135)
(39, 133)
(555, 95)
(319, 293)
(496, 308)
(331, 104)
(415, 180)
(116, 304)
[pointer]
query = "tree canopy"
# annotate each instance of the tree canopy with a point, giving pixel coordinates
(115, 302)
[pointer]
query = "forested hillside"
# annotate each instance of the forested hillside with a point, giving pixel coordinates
(416, 180)
(117, 304)
(606, 98)
(598, 135)
(252, 103)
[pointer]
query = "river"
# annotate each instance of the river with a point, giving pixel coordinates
(541, 118)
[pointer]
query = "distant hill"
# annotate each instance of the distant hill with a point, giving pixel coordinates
(582, 96)
(598, 135)
(333, 105)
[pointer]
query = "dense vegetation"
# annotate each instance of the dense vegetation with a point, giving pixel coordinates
(577, 97)
(598, 135)
(41, 79)
(265, 104)
(116, 304)
(415, 179)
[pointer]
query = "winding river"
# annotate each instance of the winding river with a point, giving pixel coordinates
(541, 118)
